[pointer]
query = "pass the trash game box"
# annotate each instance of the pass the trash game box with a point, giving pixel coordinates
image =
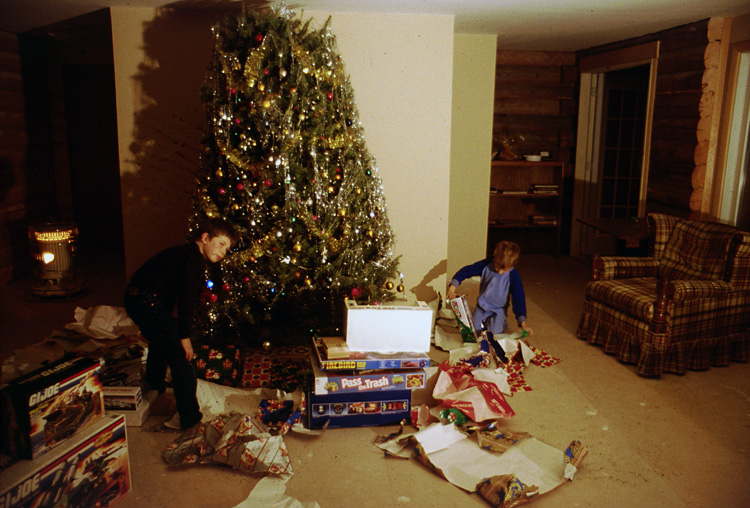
(359, 409)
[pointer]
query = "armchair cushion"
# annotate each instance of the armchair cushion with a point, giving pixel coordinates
(635, 297)
(696, 251)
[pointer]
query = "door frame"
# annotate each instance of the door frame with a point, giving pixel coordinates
(590, 112)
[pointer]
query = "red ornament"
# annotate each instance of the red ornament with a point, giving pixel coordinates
(329, 96)
(356, 292)
(237, 121)
(222, 191)
(240, 186)
(226, 286)
(247, 279)
(213, 298)
(265, 72)
(259, 37)
(268, 182)
(234, 91)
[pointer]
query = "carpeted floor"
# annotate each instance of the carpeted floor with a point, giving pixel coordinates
(670, 442)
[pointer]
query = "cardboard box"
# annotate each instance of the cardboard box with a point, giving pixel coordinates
(328, 382)
(136, 418)
(387, 328)
(45, 407)
(364, 360)
(90, 469)
(122, 398)
(359, 409)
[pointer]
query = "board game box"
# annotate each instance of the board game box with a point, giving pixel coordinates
(326, 382)
(368, 360)
(359, 409)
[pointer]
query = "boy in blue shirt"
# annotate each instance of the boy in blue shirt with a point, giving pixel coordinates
(499, 283)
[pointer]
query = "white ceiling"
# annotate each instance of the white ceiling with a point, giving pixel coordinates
(542, 25)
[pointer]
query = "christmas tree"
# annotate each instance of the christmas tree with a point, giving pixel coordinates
(285, 160)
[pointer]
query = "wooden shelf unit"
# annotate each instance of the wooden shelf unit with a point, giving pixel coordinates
(526, 197)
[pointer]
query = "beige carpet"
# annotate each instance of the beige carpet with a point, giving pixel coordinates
(678, 441)
(670, 442)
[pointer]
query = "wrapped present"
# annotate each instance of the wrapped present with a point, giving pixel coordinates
(218, 364)
(238, 441)
(280, 367)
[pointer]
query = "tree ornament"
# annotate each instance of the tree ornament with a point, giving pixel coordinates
(400, 288)
(226, 287)
(297, 247)
(356, 293)
(329, 96)
(389, 285)
(213, 298)
(258, 37)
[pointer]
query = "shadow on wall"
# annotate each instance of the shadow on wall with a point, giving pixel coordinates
(423, 291)
(165, 152)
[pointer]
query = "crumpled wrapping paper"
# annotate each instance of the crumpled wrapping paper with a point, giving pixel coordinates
(239, 441)
(457, 387)
(102, 322)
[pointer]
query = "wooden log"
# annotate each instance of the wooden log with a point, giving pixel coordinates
(535, 58)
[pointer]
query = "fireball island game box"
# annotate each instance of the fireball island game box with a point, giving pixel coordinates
(43, 408)
(369, 360)
(91, 469)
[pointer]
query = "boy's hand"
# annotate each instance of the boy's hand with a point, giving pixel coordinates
(188, 347)
(451, 293)
(528, 330)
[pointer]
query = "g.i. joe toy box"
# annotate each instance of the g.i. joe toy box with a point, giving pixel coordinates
(359, 409)
(45, 407)
(91, 469)
(327, 382)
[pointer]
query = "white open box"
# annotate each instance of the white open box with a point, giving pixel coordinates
(388, 328)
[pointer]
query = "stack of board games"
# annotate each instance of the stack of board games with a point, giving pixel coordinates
(357, 388)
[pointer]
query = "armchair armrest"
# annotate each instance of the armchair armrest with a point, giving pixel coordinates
(623, 267)
(682, 290)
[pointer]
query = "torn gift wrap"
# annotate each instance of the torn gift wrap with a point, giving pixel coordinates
(528, 467)
(457, 387)
(239, 441)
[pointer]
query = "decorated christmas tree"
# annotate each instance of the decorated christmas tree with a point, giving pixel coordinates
(285, 160)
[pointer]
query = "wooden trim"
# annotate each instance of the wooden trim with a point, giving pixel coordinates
(716, 118)
(646, 160)
(619, 58)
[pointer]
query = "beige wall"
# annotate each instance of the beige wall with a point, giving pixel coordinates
(160, 59)
(471, 148)
(402, 71)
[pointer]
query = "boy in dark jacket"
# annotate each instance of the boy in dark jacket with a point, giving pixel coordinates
(175, 277)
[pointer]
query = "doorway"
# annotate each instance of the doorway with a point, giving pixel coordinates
(615, 110)
(620, 163)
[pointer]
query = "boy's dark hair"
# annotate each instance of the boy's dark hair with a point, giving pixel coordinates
(215, 227)
(506, 254)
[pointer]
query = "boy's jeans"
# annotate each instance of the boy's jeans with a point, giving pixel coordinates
(157, 326)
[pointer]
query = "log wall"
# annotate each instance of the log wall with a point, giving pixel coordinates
(676, 114)
(536, 99)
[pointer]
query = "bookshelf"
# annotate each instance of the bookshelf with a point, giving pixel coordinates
(526, 205)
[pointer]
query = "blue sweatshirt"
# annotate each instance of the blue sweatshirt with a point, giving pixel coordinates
(494, 292)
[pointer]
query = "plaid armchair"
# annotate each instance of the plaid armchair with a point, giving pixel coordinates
(686, 306)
